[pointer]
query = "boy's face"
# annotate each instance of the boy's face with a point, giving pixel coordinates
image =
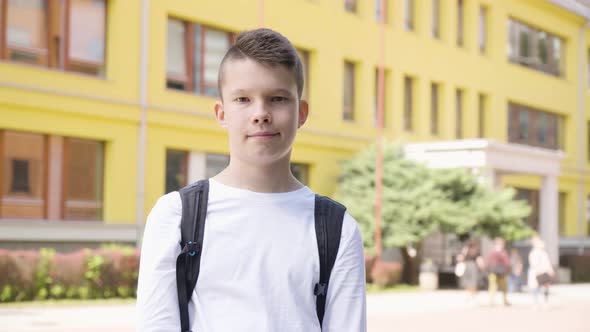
(261, 111)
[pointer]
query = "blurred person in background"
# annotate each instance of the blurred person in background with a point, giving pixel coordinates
(541, 271)
(516, 267)
(498, 266)
(469, 265)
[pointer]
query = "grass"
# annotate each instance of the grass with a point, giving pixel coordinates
(399, 288)
(65, 303)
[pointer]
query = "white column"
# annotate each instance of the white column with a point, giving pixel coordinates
(548, 225)
(197, 166)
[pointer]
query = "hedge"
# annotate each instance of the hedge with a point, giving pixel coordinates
(110, 271)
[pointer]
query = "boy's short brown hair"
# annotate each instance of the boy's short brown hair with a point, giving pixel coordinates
(267, 47)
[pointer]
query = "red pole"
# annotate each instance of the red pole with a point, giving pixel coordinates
(379, 138)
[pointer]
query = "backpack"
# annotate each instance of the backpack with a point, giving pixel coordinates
(328, 227)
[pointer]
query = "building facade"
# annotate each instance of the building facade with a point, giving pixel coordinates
(105, 105)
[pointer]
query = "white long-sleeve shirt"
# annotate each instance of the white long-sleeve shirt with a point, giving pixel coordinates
(259, 265)
(539, 263)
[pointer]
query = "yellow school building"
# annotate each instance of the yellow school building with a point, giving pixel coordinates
(105, 105)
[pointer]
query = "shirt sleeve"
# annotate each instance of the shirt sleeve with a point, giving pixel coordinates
(346, 298)
(157, 299)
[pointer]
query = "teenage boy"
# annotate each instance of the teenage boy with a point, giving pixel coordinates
(259, 259)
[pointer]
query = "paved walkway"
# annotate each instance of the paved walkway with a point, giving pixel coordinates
(566, 311)
(413, 311)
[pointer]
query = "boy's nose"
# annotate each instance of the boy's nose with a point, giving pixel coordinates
(261, 115)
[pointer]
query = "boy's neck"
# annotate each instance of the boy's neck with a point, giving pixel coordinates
(270, 179)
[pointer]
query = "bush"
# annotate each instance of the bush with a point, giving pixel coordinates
(8, 276)
(111, 271)
(386, 274)
(66, 273)
(26, 264)
(116, 270)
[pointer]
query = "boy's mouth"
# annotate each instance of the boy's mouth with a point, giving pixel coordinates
(264, 135)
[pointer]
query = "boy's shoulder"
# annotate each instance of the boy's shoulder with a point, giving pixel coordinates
(167, 205)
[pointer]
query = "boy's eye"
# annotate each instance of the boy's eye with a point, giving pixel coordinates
(242, 99)
(278, 99)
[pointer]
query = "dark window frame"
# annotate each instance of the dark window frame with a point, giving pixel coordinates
(305, 57)
(409, 12)
(460, 23)
(348, 111)
(459, 101)
(524, 41)
(481, 117)
(189, 82)
(98, 204)
(435, 20)
(409, 83)
(554, 127)
(483, 26)
(183, 167)
(434, 108)
(57, 39)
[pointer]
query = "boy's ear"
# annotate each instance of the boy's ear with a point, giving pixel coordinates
(220, 114)
(303, 112)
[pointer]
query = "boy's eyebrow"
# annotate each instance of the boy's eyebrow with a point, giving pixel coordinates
(279, 90)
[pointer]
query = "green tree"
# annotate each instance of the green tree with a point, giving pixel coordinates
(417, 201)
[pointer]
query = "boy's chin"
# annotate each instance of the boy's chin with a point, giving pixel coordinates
(266, 160)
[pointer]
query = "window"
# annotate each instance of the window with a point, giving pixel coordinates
(460, 22)
(176, 169)
(408, 103)
(409, 15)
(350, 6)
(87, 27)
(436, 19)
(68, 35)
(215, 164)
(381, 13)
(523, 123)
(482, 106)
(300, 172)
(50, 177)
(483, 29)
(177, 65)
(376, 101)
(194, 53)
(534, 48)
(26, 25)
(562, 206)
(22, 175)
(304, 56)
(83, 179)
(348, 99)
(434, 102)
(459, 114)
(535, 127)
(542, 128)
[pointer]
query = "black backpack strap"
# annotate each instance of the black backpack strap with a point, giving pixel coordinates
(192, 228)
(329, 215)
